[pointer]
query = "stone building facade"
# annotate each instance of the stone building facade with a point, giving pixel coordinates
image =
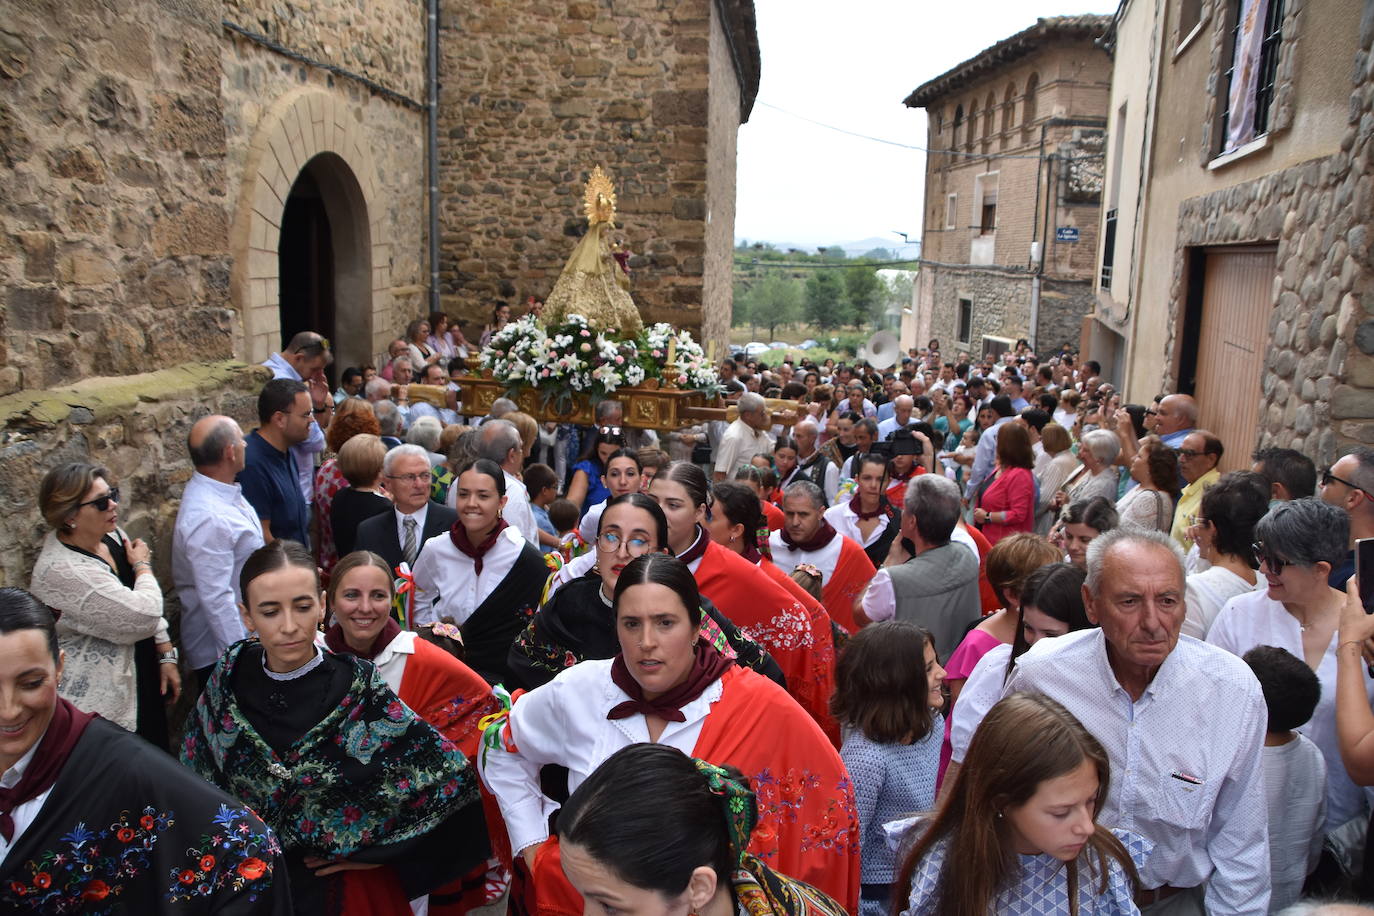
(1243, 274)
(652, 92)
(186, 183)
(1012, 191)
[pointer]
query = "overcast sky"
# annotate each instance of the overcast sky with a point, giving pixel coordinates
(850, 65)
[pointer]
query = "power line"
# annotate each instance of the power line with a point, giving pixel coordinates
(920, 149)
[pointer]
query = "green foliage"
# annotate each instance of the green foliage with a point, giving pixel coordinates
(826, 305)
(776, 300)
(879, 254)
(863, 292)
(743, 307)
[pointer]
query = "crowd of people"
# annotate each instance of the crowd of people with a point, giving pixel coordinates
(958, 636)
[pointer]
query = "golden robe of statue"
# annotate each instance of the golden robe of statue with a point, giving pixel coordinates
(589, 284)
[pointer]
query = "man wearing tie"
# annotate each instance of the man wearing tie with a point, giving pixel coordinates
(399, 535)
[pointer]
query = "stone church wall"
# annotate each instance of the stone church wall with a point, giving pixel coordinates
(535, 94)
(114, 255)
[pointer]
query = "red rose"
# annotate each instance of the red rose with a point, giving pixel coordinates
(146, 822)
(42, 879)
(187, 877)
(124, 834)
(252, 869)
(18, 889)
(207, 863)
(96, 890)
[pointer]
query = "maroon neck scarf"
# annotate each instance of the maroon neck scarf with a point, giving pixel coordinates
(823, 536)
(751, 553)
(856, 506)
(45, 766)
(698, 548)
(707, 667)
(459, 534)
(334, 639)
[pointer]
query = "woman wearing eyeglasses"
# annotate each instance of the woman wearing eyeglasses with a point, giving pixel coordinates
(120, 659)
(481, 573)
(1298, 543)
(575, 622)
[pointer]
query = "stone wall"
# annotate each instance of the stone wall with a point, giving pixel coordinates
(1317, 385)
(535, 94)
(1001, 306)
(135, 426)
(112, 161)
(719, 168)
(1063, 306)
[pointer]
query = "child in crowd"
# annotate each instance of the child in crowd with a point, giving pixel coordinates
(1294, 771)
(887, 702)
(563, 514)
(542, 484)
(1017, 834)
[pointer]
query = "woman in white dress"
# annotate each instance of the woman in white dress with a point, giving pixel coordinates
(1224, 534)
(1298, 543)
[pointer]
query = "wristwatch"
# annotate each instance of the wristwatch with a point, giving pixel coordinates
(169, 658)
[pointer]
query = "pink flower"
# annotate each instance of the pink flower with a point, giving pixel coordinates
(619, 360)
(586, 347)
(586, 333)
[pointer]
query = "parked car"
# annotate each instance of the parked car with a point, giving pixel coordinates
(779, 345)
(736, 351)
(808, 344)
(755, 348)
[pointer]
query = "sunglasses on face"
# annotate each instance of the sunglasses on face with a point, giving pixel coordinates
(102, 503)
(1276, 564)
(1328, 478)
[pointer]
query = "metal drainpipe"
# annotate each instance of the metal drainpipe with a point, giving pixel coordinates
(432, 144)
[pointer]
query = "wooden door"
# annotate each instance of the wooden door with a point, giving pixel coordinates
(1237, 300)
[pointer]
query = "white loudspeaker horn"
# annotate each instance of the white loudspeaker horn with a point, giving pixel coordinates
(882, 350)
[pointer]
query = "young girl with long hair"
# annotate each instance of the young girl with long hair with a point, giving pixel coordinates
(1017, 833)
(888, 697)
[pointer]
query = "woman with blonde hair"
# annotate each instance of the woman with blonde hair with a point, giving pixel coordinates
(1017, 833)
(360, 461)
(120, 659)
(353, 417)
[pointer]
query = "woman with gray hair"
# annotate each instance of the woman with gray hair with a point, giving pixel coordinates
(1298, 543)
(1097, 450)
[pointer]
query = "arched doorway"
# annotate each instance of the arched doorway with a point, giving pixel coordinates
(325, 261)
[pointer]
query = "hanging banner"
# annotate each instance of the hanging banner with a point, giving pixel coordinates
(1240, 125)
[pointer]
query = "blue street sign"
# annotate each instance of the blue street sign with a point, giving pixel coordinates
(1066, 234)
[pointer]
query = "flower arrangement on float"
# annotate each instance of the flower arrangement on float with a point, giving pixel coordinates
(575, 357)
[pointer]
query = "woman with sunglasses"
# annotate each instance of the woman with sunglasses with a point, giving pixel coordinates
(586, 488)
(575, 622)
(120, 659)
(1298, 543)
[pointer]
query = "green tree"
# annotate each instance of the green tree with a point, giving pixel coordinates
(864, 293)
(879, 254)
(826, 306)
(776, 300)
(742, 309)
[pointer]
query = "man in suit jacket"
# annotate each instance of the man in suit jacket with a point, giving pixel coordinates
(400, 535)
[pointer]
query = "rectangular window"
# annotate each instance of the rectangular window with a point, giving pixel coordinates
(1189, 15)
(988, 224)
(985, 195)
(1108, 248)
(951, 211)
(1255, 41)
(965, 320)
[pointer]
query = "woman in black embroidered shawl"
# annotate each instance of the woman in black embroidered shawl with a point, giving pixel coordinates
(372, 805)
(481, 574)
(101, 820)
(576, 622)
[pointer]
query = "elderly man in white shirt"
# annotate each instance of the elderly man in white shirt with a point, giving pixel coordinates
(303, 359)
(1182, 722)
(499, 441)
(216, 529)
(745, 437)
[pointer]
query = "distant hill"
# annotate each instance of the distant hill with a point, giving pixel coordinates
(852, 249)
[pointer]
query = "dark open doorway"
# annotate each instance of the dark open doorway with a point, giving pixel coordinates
(306, 263)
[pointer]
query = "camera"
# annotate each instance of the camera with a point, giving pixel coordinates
(899, 442)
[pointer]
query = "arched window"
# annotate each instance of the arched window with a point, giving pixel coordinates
(1009, 108)
(1028, 108)
(958, 122)
(989, 110)
(972, 126)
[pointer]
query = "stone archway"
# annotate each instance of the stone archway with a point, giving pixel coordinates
(309, 128)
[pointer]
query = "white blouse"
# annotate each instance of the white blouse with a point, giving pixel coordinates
(1208, 591)
(564, 722)
(446, 579)
(846, 521)
(1254, 619)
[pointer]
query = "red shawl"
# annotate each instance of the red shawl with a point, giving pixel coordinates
(814, 694)
(808, 825)
(768, 613)
(853, 571)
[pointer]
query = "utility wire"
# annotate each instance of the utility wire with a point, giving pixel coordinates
(920, 149)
